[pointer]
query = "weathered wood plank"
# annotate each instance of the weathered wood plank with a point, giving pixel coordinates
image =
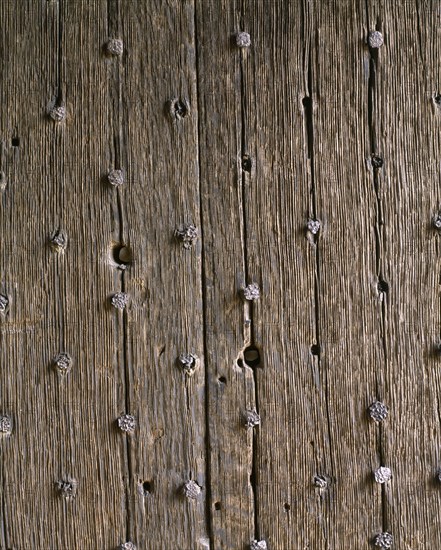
(230, 384)
(247, 142)
(313, 286)
(159, 153)
(349, 297)
(407, 124)
(62, 423)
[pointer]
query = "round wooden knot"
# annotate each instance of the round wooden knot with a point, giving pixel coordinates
(251, 418)
(67, 488)
(62, 363)
(187, 235)
(127, 423)
(313, 226)
(58, 114)
(127, 546)
(384, 540)
(382, 475)
(119, 300)
(188, 363)
(58, 240)
(378, 411)
(4, 304)
(375, 39)
(258, 545)
(243, 40)
(115, 177)
(251, 292)
(115, 47)
(5, 424)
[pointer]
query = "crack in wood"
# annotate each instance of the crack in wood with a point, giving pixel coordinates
(382, 286)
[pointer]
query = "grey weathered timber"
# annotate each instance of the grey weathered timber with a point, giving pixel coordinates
(159, 151)
(219, 245)
(62, 424)
(230, 382)
(407, 124)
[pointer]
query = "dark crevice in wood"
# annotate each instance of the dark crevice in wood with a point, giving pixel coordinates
(382, 284)
(4, 532)
(208, 493)
(309, 142)
(113, 21)
(60, 97)
(243, 180)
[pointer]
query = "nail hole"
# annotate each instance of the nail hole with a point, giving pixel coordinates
(437, 99)
(178, 108)
(147, 487)
(287, 507)
(306, 102)
(383, 286)
(247, 163)
(222, 379)
(217, 505)
(122, 255)
(252, 357)
(315, 349)
(15, 142)
(240, 363)
(377, 162)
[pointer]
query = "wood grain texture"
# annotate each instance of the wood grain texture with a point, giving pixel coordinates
(165, 318)
(230, 382)
(407, 124)
(247, 144)
(62, 424)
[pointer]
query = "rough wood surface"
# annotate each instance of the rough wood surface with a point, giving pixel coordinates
(247, 142)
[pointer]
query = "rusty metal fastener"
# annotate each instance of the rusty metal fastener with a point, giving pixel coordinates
(382, 475)
(187, 235)
(251, 418)
(313, 226)
(191, 489)
(5, 424)
(258, 545)
(320, 481)
(243, 40)
(384, 540)
(67, 488)
(4, 304)
(62, 362)
(437, 221)
(58, 240)
(115, 177)
(127, 546)
(378, 411)
(251, 292)
(375, 39)
(115, 46)
(127, 423)
(58, 114)
(188, 362)
(119, 300)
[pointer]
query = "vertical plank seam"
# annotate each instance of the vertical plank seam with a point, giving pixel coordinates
(4, 531)
(113, 26)
(373, 63)
(243, 218)
(208, 496)
(309, 139)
